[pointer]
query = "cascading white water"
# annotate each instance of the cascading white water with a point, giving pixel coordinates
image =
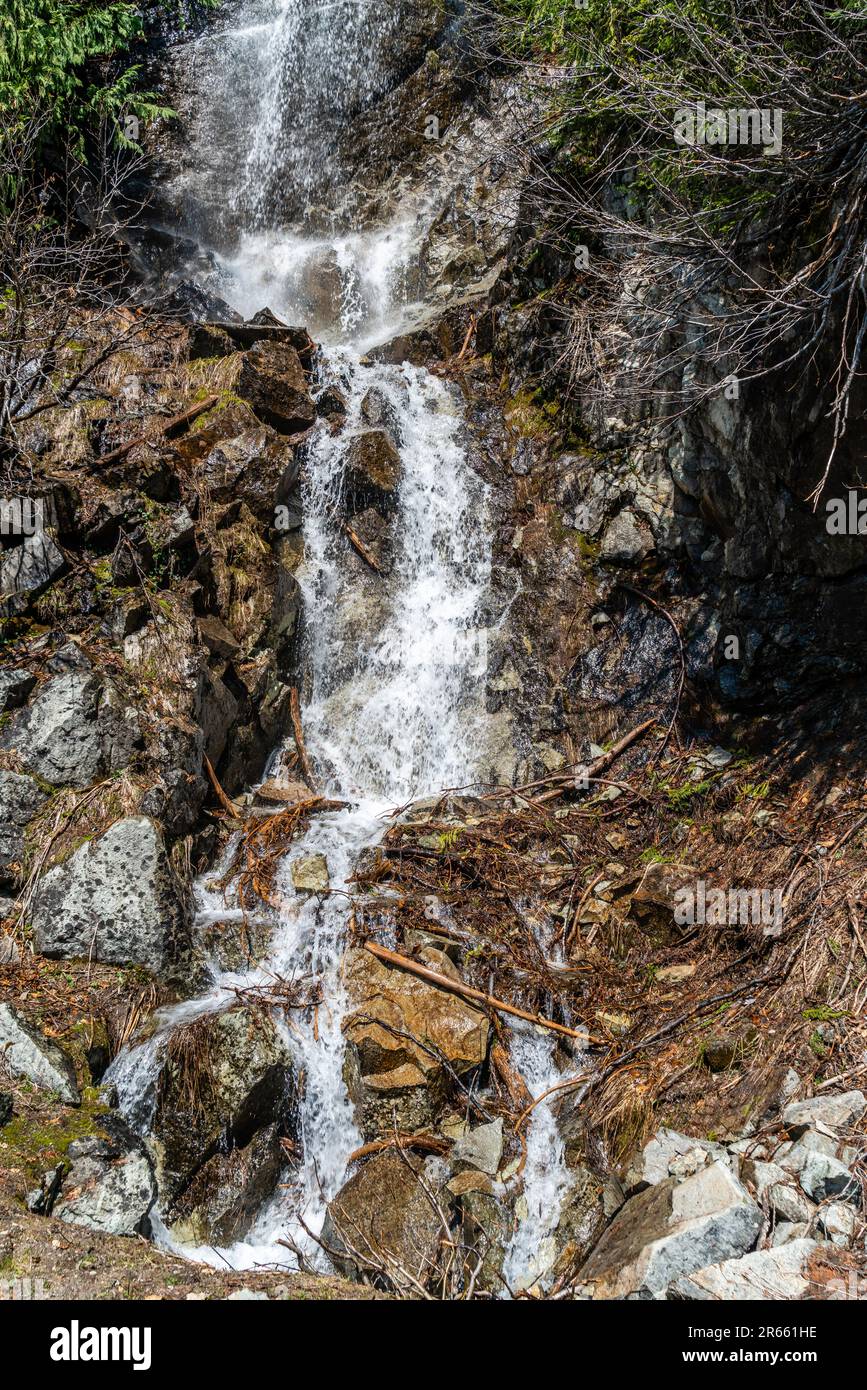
(395, 705)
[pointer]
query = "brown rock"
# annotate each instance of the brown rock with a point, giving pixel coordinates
(401, 1032)
(382, 1220)
(373, 471)
(272, 380)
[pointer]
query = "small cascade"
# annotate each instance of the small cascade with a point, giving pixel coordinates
(394, 696)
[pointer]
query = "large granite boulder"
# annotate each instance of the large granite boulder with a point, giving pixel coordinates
(273, 382)
(673, 1229)
(226, 1079)
(20, 799)
(75, 730)
(115, 899)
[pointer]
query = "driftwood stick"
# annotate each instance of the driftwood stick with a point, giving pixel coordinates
(185, 418)
(358, 545)
(223, 799)
(563, 780)
(295, 715)
(467, 992)
(604, 761)
(429, 1142)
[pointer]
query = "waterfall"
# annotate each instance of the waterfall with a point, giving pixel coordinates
(395, 708)
(397, 663)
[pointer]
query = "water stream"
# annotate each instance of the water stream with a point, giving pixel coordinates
(395, 704)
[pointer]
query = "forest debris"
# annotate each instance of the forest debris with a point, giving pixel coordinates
(168, 427)
(468, 992)
(227, 804)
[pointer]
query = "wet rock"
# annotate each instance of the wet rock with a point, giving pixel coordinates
(228, 1192)
(484, 1239)
(673, 1229)
(241, 460)
(15, 686)
(382, 1220)
(403, 1035)
(837, 1112)
(76, 730)
(25, 1052)
(20, 799)
(331, 404)
(110, 1187)
(273, 381)
(378, 412)
(781, 1274)
(226, 1077)
(373, 471)
(116, 899)
(583, 1218)
(310, 875)
(481, 1147)
(374, 532)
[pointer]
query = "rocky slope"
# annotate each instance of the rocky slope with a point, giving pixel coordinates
(708, 1140)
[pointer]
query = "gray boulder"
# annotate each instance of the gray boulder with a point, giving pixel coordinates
(780, 1274)
(673, 1229)
(837, 1112)
(25, 1052)
(20, 799)
(116, 899)
(26, 570)
(110, 1186)
(481, 1148)
(670, 1154)
(778, 1190)
(75, 730)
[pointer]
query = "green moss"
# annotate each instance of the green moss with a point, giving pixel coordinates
(36, 1143)
(530, 415)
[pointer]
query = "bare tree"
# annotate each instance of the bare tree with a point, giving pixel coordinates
(65, 297)
(715, 253)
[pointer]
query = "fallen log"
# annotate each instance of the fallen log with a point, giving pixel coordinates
(185, 418)
(476, 995)
(429, 1142)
